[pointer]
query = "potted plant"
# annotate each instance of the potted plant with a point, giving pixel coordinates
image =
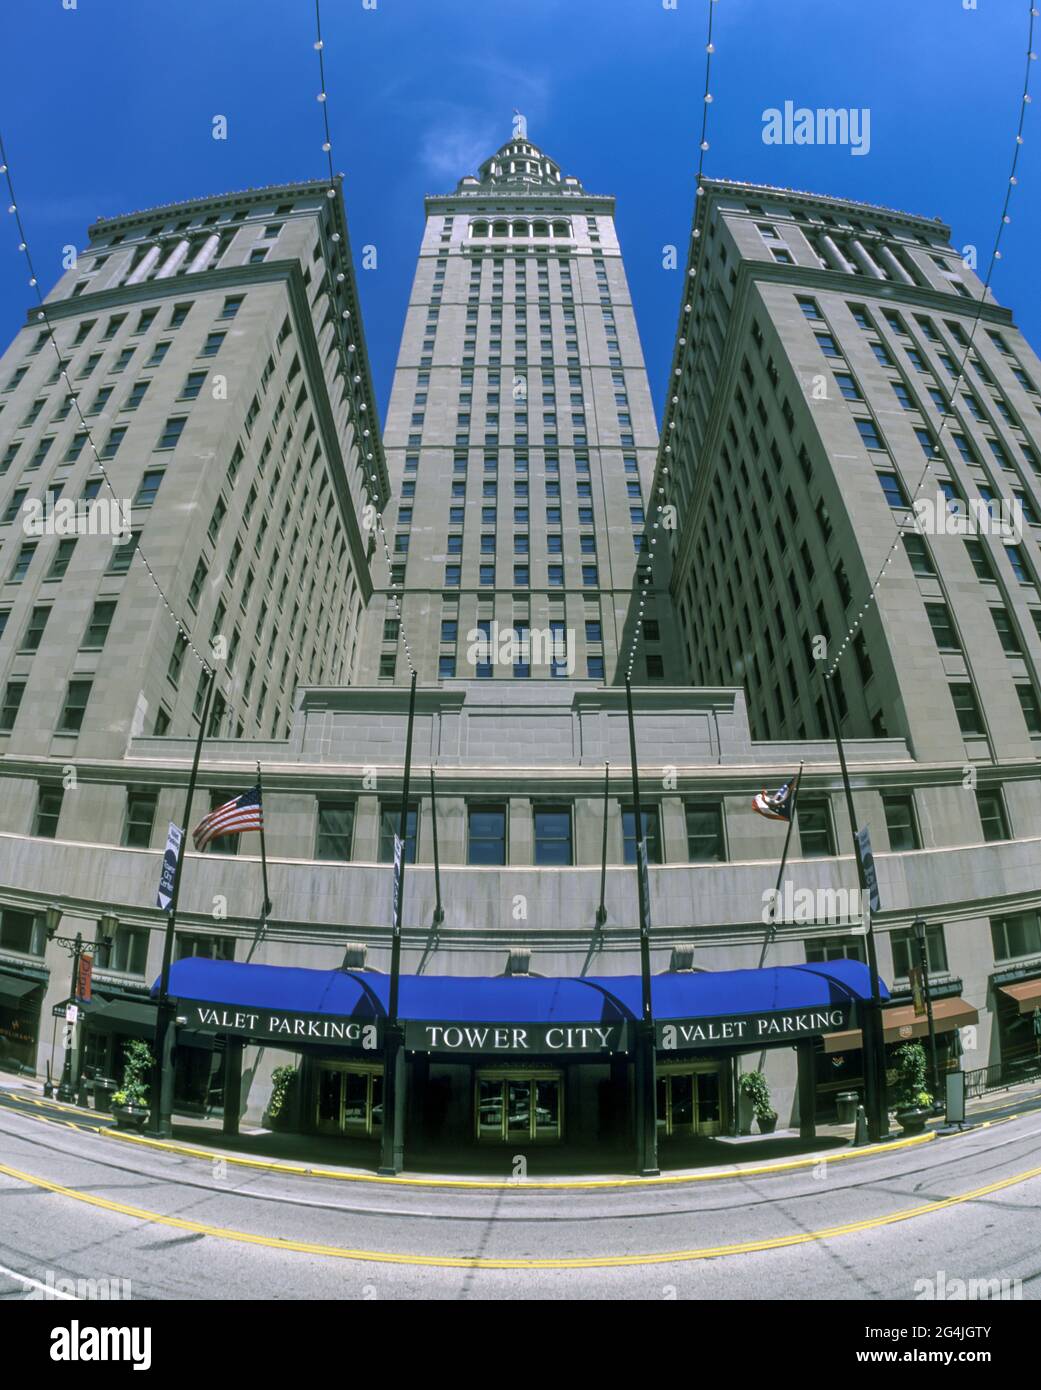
(753, 1086)
(283, 1081)
(914, 1102)
(128, 1103)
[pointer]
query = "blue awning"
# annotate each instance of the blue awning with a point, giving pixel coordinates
(519, 999)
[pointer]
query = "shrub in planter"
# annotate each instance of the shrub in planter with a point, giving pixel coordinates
(913, 1101)
(130, 1101)
(753, 1086)
(283, 1082)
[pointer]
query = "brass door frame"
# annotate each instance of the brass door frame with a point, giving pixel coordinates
(505, 1075)
(369, 1070)
(693, 1069)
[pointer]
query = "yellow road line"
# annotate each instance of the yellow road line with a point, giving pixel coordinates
(482, 1262)
(495, 1184)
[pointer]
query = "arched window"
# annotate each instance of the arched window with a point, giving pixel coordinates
(501, 229)
(561, 229)
(520, 229)
(540, 229)
(478, 228)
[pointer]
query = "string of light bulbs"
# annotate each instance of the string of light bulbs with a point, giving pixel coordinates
(960, 378)
(642, 577)
(371, 479)
(43, 317)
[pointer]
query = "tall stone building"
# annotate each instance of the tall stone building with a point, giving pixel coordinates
(520, 438)
(521, 448)
(212, 366)
(826, 359)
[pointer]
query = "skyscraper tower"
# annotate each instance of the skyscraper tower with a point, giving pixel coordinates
(520, 438)
(207, 358)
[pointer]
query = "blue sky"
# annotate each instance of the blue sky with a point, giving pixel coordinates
(422, 90)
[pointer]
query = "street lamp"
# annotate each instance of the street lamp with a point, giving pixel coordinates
(918, 926)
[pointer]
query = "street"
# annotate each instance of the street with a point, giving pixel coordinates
(904, 1225)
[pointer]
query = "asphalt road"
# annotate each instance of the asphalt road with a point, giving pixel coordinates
(179, 1227)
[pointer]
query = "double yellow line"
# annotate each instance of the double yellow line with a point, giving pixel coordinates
(481, 1262)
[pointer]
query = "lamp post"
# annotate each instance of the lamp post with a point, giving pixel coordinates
(918, 926)
(74, 945)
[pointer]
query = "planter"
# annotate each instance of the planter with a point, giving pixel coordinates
(130, 1116)
(912, 1118)
(767, 1123)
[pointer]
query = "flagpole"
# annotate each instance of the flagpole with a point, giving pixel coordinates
(646, 1096)
(871, 1035)
(771, 926)
(159, 1119)
(393, 1146)
(265, 910)
(439, 912)
(258, 935)
(601, 912)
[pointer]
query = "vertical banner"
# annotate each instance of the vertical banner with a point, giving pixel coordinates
(164, 896)
(84, 977)
(867, 861)
(398, 851)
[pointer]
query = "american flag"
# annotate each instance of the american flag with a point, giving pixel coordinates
(243, 812)
(776, 805)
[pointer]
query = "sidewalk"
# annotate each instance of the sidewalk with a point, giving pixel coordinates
(345, 1158)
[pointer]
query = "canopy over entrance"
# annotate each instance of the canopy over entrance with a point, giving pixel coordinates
(517, 1014)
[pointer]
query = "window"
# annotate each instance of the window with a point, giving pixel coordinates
(905, 952)
(1019, 935)
(33, 633)
(147, 489)
(335, 830)
(869, 434)
(193, 384)
(389, 827)
(651, 834)
(388, 665)
(970, 721)
(835, 948)
(1031, 711)
(893, 489)
(13, 692)
(991, 806)
(76, 697)
(445, 667)
(22, 931)
(901, 821)
(100, 622)
(1006, 631)
(128, 951)
(232, 304)
(706, 843)
(487, 834)
(553, 835)
(172, 432)
(595, 668)
(140, 816)
(816, 835)
(206, 947)
(212, 344)
(48, 812)
(943, 627)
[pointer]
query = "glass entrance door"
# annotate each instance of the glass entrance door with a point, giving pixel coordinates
(349, 1100)
(518, 1108)
(689, 1103)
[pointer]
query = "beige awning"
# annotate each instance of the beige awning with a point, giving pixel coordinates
(901, 1024)
(1026, 993)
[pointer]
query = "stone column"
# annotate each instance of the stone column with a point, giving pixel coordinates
(834, 255)
(893, 265)
(205, 255)
(144, 268)
(173, 261)
(864, 261)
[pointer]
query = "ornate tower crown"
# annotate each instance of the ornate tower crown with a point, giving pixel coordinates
(519, 166)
